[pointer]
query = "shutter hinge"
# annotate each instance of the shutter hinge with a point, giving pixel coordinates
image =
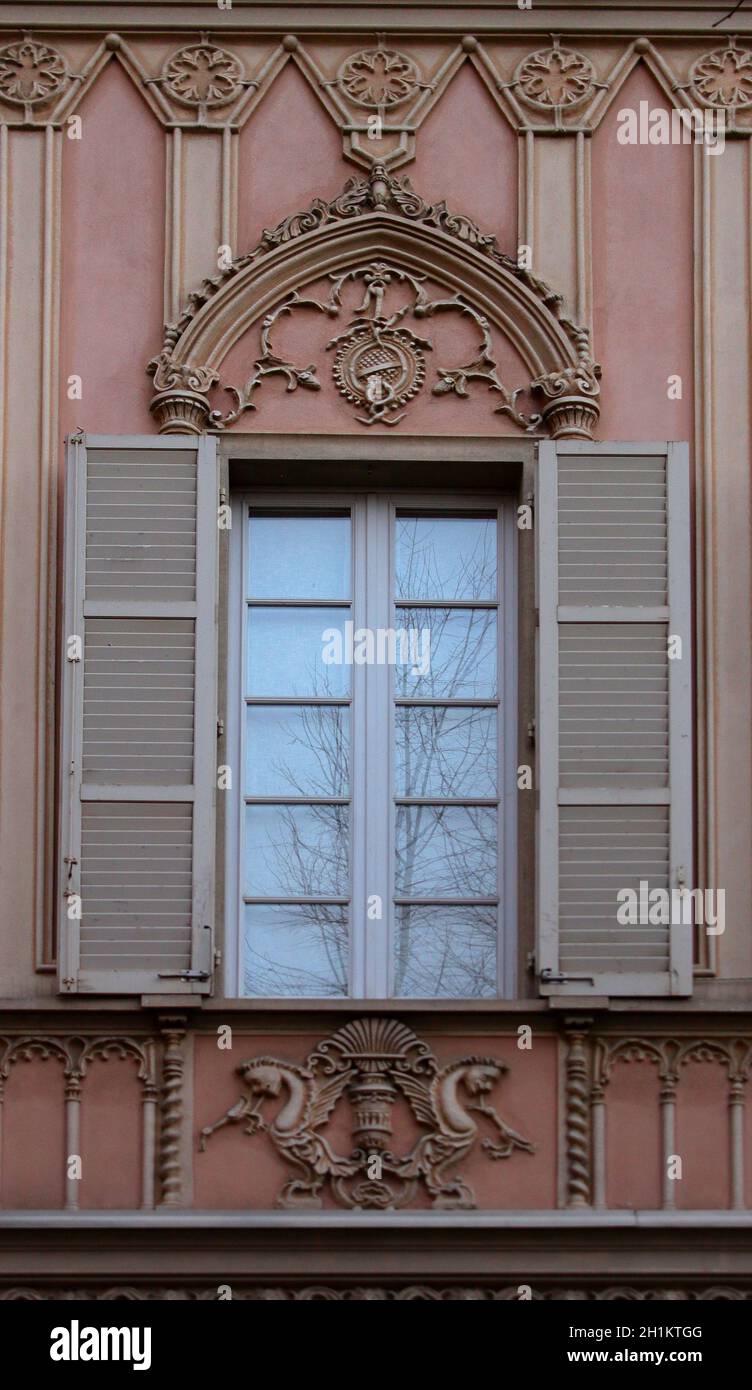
(531, 731)
(559, 977)
(78, 435)
(220, 728)
(681, 878)
(223, 497)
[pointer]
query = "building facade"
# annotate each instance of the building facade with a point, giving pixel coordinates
(376, 712)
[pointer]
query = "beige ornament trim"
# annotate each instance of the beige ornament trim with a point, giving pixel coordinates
(373, 1063)
(369, 1293)
(379, 214)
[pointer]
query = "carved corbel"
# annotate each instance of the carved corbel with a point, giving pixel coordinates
(181, 405)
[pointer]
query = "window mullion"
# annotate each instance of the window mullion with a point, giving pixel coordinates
(377, 885)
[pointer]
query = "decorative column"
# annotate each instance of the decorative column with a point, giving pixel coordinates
(171, 1107)
(740, 1058)
(149, 1100)
(577, 1112)
(669, 1081)
(598, 1126)
(73, 1081)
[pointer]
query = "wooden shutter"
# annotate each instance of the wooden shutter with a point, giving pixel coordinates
(138, 750)
(614, 714)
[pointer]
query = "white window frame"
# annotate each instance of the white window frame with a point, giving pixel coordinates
(372, 849)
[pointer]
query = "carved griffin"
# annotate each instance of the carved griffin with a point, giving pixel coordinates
(372, 1062)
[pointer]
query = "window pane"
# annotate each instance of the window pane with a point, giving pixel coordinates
(446, 952)
(288, 650)
(445, 557)
(453, 653)
(299, 556)
(295, 951)
(446, 851)
(296, 851)
(445, 752)
(297, 750)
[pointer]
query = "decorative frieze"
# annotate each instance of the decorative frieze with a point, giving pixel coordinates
(372, 1063)
(365, 1293)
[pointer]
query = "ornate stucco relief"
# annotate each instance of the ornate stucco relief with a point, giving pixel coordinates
(218, 80)
(379, 362)
(367, 1293)
(373, 1063)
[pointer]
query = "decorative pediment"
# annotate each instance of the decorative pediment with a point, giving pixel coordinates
(379, 235)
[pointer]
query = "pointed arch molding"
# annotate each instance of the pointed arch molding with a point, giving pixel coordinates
(378, 233)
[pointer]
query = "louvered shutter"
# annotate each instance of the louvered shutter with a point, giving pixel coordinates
(614, 717)
(138, 749)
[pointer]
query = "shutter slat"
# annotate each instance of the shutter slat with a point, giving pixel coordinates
(614, 716)
(139, 715)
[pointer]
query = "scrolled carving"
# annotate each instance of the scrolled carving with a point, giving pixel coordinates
(378, 78)
(30, 72)
(373, 1063)
(180, 405)
(723, 78)
(570, 388)
(379, 364)
(570, 408)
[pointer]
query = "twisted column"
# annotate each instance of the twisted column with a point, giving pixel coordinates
(171, 1110)
(577, 1113)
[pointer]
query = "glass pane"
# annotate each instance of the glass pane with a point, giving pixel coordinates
(445, 557)
(452, 653)
(445, 752)
(297, 651)
(446, 851)
(446, 952)
(296, 851)
(297, 750)
(295, 951)
(299, 557)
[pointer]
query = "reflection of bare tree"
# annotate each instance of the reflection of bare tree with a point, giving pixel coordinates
(307, 856)
(443, 752)
(453, 952)
(447, 851)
